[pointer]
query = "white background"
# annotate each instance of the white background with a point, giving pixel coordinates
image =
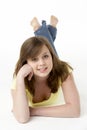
(15, 17)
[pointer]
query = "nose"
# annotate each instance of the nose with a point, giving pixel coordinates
(41, 62)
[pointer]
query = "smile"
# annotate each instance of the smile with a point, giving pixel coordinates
(42, 70)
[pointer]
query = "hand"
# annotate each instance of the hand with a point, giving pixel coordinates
(32, 111)
(25, 71)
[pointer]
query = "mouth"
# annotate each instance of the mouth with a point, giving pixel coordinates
(42, 70)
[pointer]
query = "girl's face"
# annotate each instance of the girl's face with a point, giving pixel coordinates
(41, 64)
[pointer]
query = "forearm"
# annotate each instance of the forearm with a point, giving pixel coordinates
(20, 103)
(65, 110)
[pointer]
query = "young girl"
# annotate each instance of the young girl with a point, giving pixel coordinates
(39, 78)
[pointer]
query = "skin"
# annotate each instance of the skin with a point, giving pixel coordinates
(41, 67)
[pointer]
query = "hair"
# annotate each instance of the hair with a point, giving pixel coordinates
(32, 48)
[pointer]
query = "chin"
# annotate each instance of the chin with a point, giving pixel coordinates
(42, 75)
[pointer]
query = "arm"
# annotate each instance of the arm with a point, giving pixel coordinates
(20, 103)
(71, 108)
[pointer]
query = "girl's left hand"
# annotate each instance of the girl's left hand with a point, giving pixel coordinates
(32, 111)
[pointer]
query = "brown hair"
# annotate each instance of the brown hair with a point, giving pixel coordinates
(30, 49)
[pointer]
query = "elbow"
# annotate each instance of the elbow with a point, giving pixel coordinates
(23, 120)
(76, 113)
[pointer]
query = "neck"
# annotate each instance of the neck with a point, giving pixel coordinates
(41, 80)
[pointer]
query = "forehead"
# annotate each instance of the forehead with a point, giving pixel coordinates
(43, 50)
(38, 51)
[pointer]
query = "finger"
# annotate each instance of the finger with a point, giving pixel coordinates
(30, 75)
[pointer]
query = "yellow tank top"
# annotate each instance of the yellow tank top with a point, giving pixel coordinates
(54, 99)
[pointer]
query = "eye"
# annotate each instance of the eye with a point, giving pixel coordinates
(35, 59)
(46, 56)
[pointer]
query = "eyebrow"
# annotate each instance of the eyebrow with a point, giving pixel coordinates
(46, 53)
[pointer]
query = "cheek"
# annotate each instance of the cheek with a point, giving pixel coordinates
(50, 63)
(31, 64)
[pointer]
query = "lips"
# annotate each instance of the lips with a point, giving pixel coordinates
(42, 70)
